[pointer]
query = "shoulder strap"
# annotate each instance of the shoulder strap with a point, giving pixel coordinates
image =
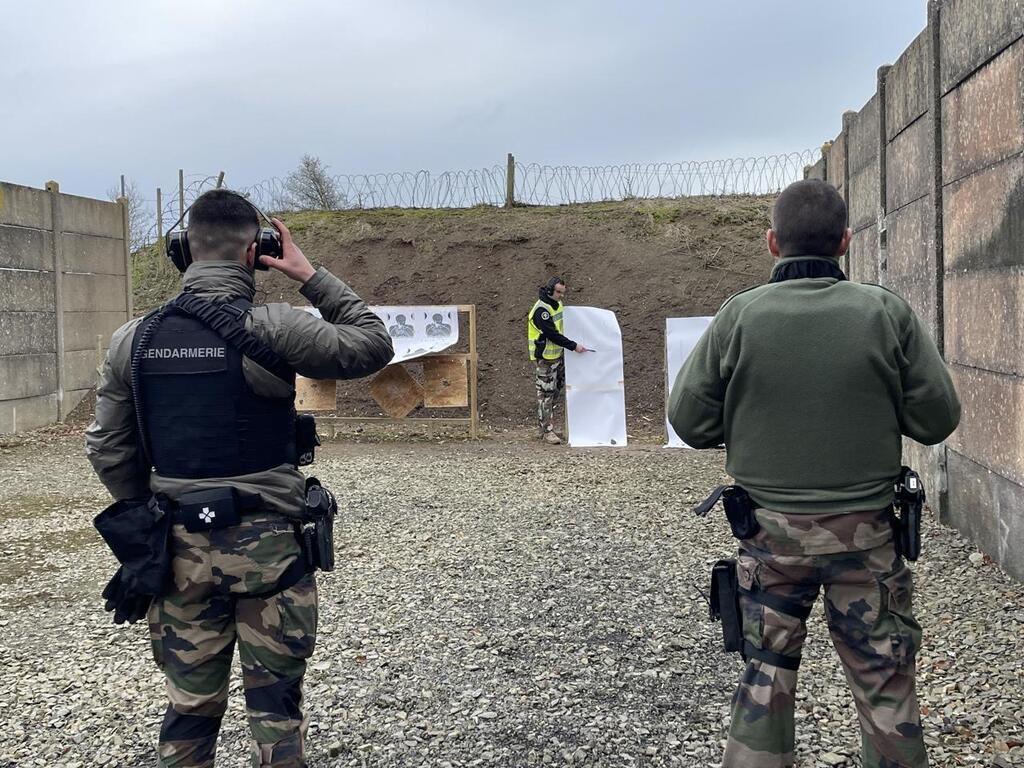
(227, 323)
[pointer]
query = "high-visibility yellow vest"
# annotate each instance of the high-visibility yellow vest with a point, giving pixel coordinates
(551, 350)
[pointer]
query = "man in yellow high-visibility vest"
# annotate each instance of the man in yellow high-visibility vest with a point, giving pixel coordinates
(546, 344)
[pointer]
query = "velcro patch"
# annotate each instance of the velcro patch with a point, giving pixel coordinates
(545, 315)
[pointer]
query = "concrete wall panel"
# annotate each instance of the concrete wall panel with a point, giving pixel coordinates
(23, 248)
(837, 163)
(101, 255)
(927, 460)
(911, 259)
(983, 118)
(23, 333)
(863, 201)
(27, 375)
(983, 217)
(985, 319)
(816, 171)
(80, 369)
(908, 161)
(906, 86)
(86, 216)
(25, 207)
(82, 328)
(27, 413)
(864, 256)
(972, 32)
(991, 430)
(863, 136)
(989, 509)
(26, 291)
(83, 293)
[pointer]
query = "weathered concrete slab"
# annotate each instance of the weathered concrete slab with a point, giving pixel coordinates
(989, 510)
(991, 430)
(906, 86)
(26, 291)
(985, 319)
(72, 398)
(863, 137)
(23, 248)
(864, 256)
(816, 171)
(27, 376)
(81, 329)
(983, 118)
(86, 253)
(27, 413)
(928, 460)
(911, 259)
(983, 218)
(25, 206)
(97, 293)
(80, 369)
(837, 163)
(972, 32)
(85, 216)
(23, 333)
(909, 161)
(863, 201)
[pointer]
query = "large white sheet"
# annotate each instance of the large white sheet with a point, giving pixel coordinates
(681, 335)
(595, 398)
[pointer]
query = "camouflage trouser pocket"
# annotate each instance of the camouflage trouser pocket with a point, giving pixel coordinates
(156, 640)
(751, 612)
(299, 616)
(895, 616)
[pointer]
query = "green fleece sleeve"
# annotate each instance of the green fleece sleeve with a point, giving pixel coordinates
(697, 397)
(930, 410)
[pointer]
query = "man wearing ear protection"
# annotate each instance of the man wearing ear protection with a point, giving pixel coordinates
(195, 411)
(546, 345)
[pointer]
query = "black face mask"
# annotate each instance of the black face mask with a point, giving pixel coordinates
(811, 266)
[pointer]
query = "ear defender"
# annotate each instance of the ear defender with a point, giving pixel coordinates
(268, 241)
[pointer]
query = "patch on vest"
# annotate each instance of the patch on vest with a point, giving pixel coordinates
(185, 358)
(545, 316)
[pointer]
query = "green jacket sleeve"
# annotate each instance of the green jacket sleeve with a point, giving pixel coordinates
(348, 341)
(930, 409)
(696, 401)
(111, 441)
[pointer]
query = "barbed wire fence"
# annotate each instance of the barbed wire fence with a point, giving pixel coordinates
(514, 183)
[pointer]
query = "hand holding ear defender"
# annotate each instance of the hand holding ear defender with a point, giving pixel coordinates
(267, 239)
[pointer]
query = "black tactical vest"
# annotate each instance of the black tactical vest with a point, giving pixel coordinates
(201, 419)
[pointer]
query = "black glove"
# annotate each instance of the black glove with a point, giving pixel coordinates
(125, 605)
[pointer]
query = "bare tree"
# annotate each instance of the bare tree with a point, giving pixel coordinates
(139, 220)
(310, 187)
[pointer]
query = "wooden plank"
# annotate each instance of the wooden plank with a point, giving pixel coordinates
(445, 383)
(474, 412)
(316, 394)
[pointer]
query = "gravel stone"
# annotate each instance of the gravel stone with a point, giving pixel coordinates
(494, 604)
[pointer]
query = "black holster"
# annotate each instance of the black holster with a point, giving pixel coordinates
(306, 438)
(908, 504)
(739, 509)
(138, 533)
(725, 604)
(318, 526)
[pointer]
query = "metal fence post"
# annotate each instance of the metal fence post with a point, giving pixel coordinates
(510, 182)
(181, 192)
(159, 215)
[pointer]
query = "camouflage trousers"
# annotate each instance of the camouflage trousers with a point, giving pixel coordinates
(550, 381)
(221, 580)
(867, 595)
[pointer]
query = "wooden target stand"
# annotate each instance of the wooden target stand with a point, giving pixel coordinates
(449, 382)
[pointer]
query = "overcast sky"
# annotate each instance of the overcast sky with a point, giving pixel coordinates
(95, 89)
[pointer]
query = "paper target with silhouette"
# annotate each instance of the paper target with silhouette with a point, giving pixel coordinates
(418, 331)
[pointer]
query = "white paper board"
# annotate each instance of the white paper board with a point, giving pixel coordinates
(595, 398)
(416, 330)
(681, 336)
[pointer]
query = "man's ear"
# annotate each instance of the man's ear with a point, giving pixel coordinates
(250, 256)
(844, 244)
(773, 243)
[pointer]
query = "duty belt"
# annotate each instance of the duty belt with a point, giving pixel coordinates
(215, 508)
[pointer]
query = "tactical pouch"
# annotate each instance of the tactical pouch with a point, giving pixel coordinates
(306, 438)
(725, 604)
(739, 509)
(908, 502)
(318, 528)
(205, 510)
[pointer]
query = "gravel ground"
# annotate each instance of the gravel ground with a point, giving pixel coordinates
(486, 611)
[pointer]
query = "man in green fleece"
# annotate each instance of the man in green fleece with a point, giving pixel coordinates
(810, 381)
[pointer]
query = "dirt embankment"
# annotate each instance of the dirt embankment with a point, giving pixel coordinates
(645, 260)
